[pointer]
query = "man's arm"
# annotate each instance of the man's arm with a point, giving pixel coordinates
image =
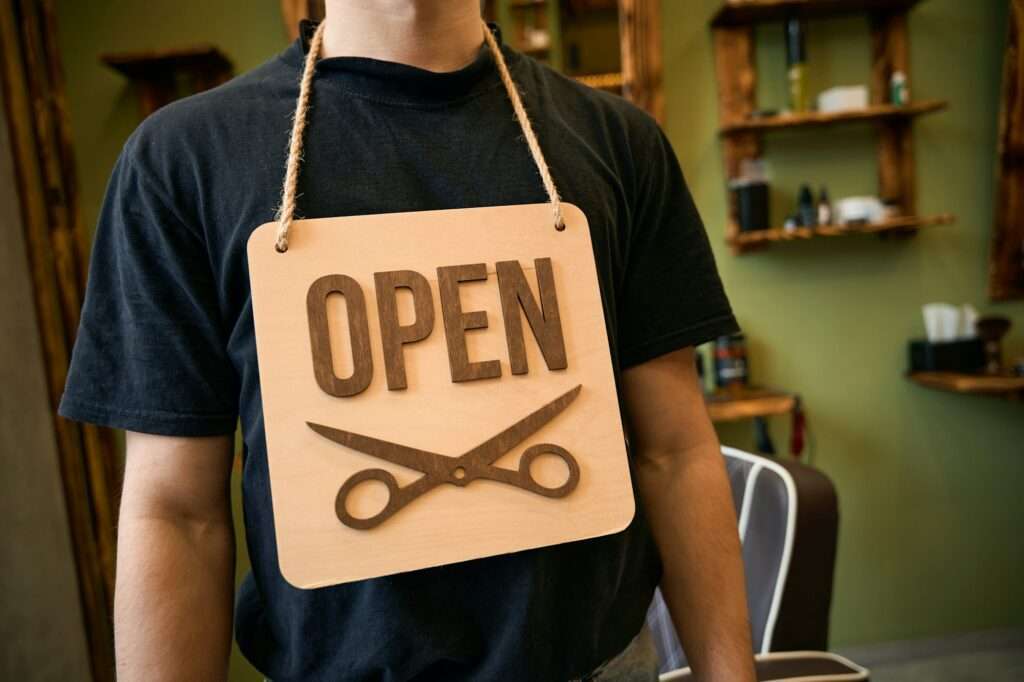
(175, 560)
(685, 492)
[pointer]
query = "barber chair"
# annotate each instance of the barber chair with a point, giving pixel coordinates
(788, 524)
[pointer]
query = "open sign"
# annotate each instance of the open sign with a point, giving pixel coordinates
(515, 295)
(437, 387)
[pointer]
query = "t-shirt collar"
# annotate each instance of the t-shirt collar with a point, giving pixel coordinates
(401, 83)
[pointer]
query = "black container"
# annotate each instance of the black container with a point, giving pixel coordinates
(806, 208)
(796, 46)
(951, 356)
(752, 205)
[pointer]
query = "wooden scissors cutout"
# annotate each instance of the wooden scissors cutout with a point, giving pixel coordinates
(460, 471)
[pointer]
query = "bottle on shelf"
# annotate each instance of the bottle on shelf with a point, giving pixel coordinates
(806, 208)
(796, 65)
(899, 94)
(824, 208)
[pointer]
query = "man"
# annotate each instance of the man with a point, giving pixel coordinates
(407, 113)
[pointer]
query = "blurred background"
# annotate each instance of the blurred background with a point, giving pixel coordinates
(858, 167)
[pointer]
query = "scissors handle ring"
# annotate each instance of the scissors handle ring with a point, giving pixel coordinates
(393, 505)
(527, 481)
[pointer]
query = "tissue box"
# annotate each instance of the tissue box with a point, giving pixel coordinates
(966, 356)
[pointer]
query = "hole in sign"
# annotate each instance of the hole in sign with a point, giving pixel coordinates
(549, 470)
(367, 499)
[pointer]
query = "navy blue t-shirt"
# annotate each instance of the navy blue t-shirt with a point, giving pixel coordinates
(166, 343)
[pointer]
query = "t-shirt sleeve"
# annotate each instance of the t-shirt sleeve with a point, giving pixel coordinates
(150, 354)
(672, 296)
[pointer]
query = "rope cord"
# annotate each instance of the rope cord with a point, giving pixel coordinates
(286, 213)
(524, 123)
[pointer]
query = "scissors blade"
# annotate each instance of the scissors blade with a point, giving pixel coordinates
(493, 448)
(418, 460)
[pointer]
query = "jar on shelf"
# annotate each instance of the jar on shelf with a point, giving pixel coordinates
(731, 361)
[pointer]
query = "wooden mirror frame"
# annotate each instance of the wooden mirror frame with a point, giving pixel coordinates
(1006, 274)
(35, 110)
(639, 45)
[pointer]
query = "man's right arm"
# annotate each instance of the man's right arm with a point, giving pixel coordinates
(175, 560)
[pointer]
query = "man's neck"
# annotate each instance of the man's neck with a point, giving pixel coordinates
(437, 35)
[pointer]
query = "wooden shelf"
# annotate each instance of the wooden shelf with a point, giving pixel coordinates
(538, 52)
(746, 403)
(743, 135)
(748, 241)
(744, 12)
(160, 63)
(602, 81)
(878, 112)
(980, 384)
(160, 76)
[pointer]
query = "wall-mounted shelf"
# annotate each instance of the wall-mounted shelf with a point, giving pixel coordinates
(602, 81)
(742, 133)
(539, 52)
(747, 403)
(813, 119)
(743, 242)
(979, 384)
(159, 63)
(163, 76)
(744, 12)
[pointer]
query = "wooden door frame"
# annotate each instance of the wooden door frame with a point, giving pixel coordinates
(44, 167)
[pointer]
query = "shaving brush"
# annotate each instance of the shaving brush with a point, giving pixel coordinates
(992, 329)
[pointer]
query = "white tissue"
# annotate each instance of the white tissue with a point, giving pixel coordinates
(944, 322)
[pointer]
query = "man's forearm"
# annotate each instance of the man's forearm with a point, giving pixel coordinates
(688, 503)
(173, 598)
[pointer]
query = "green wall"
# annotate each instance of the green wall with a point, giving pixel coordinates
(928, 481)
(104, 111)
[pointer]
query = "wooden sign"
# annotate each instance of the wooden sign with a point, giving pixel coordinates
(437, 387)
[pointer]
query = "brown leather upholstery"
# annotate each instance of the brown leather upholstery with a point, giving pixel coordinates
(807, 597)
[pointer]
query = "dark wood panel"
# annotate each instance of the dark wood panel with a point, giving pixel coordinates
(1006, 271)
(640, 46)
(736, 75)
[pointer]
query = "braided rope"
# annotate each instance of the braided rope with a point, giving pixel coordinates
(524, 123)
(286, 212)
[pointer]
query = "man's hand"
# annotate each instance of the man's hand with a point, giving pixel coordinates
(175, 560)
(685, 492)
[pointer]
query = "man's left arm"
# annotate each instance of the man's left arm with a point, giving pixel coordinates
(685, 493)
